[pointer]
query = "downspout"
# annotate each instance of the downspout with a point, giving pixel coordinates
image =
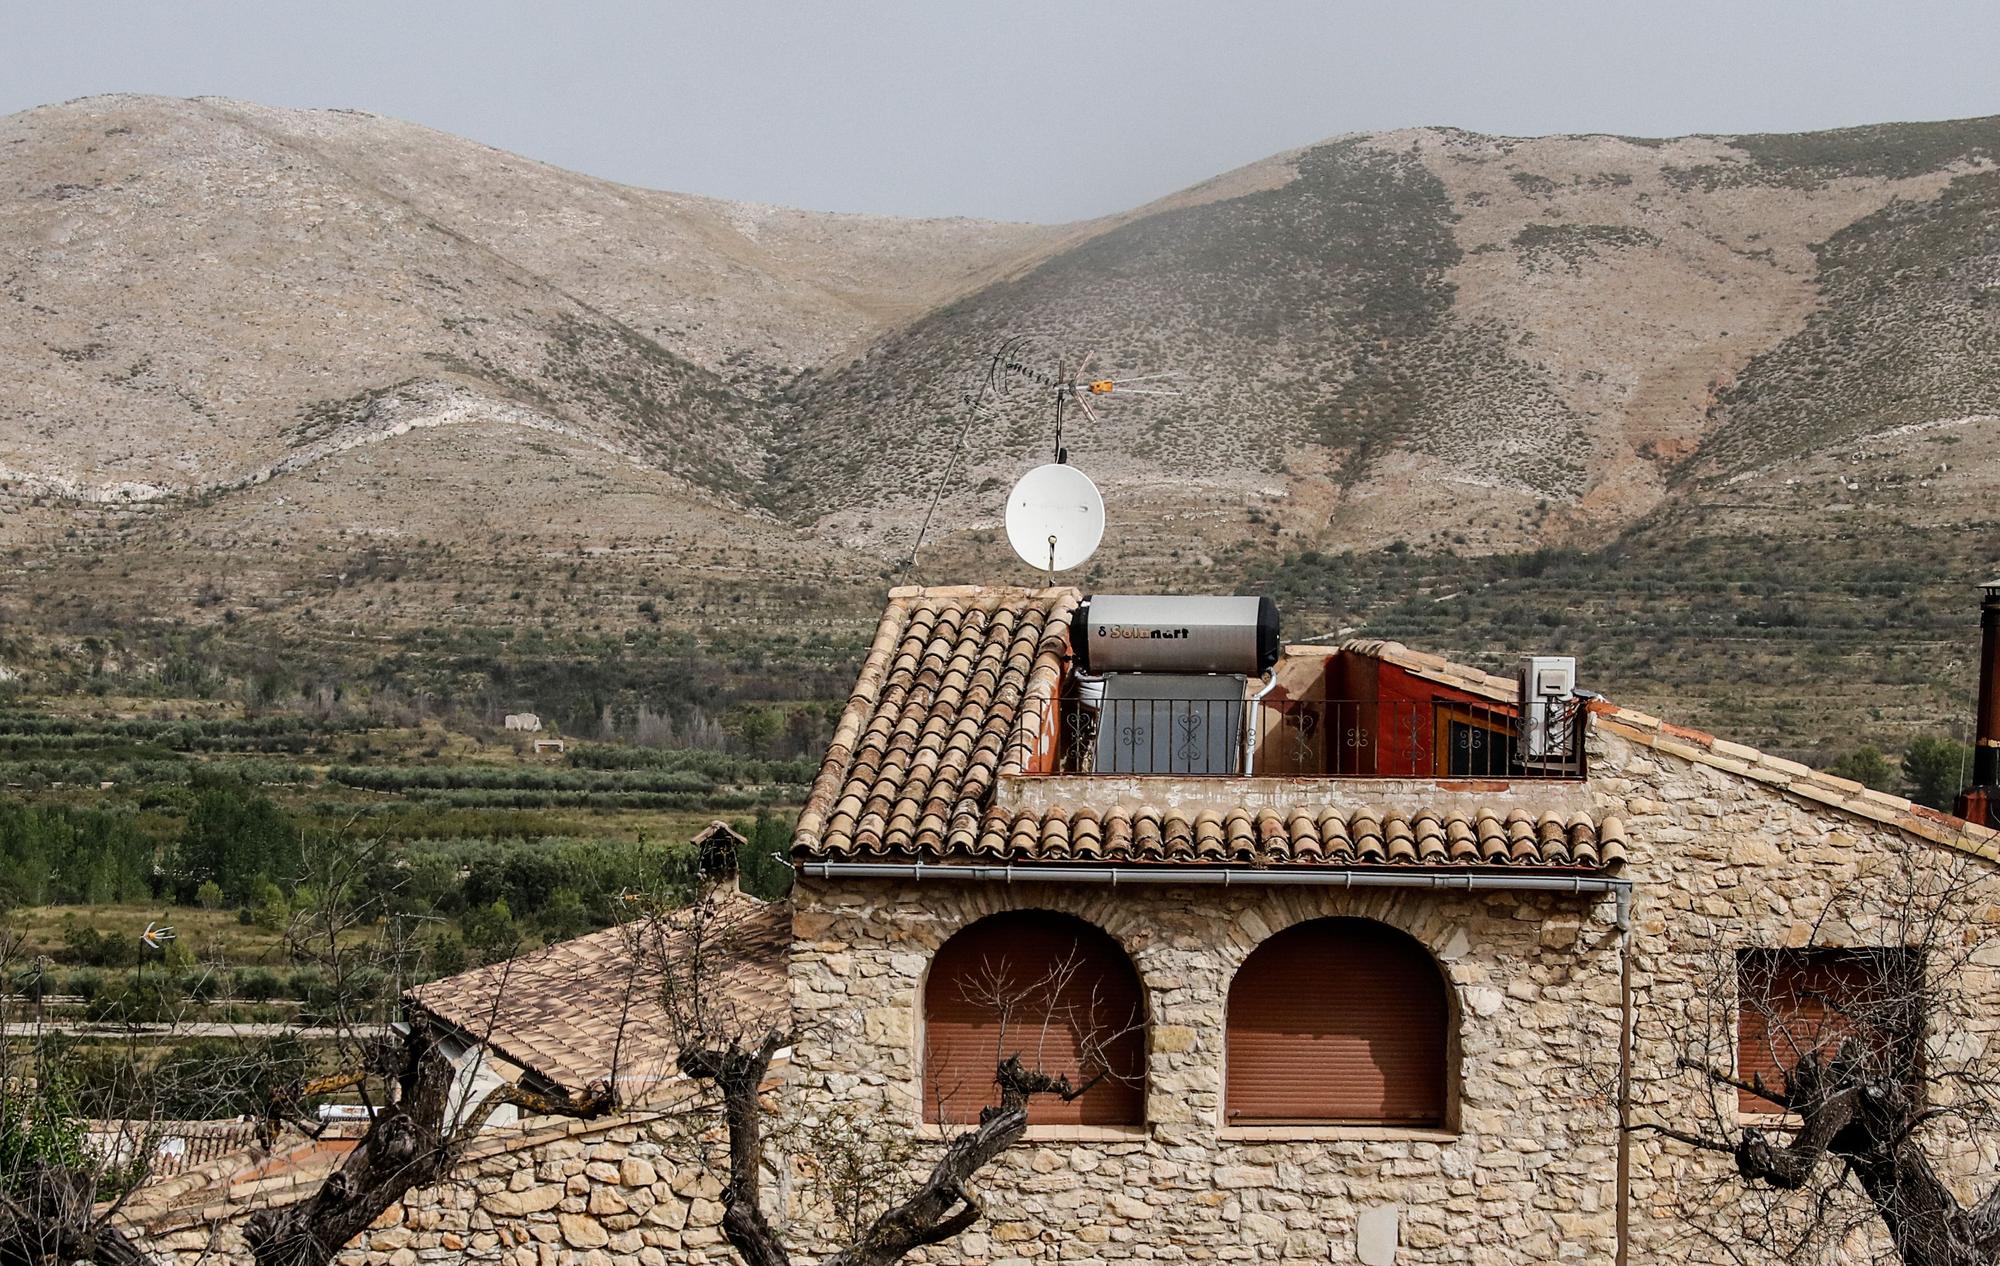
(1625, 1022)
(1250, 724)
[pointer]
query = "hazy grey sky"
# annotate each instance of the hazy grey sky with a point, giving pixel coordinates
(1015, 109)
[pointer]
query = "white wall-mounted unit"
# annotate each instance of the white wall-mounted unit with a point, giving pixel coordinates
(1549, 712)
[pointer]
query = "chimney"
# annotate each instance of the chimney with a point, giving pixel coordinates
(1979, 802)
(716, 847)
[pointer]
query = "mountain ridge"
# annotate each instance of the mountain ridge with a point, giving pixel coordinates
(257, 360)
(610, 330)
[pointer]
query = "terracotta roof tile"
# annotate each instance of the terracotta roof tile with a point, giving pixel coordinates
(1700, 747)
(924, 737)
(1800, 780)
(1268, 838)
(952, 673)
(567, 1011)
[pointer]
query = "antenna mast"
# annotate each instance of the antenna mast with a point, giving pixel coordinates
(1015, 375)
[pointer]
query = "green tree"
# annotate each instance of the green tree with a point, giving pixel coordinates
(760, 732)
(1867, 766)
(447, 954)
(563, 916)
(1935, 769)
(54, 854)
(760, 864)
(54, 1191)
(490, 933)
(272, 910)
(234, 839)
(39, 1125)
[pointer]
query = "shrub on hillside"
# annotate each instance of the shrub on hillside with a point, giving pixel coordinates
(1867, 766)
(1936, 770)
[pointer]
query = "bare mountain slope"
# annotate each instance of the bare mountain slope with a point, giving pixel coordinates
(318, 374)
(1429, 336)
(727, 285)
(198, 294)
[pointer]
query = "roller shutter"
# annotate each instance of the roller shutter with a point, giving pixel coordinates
(1794, 1001)
(1338, 1021)
(1053, 1025)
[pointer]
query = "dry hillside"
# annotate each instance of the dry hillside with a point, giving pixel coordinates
(204, 293)
(318, 378)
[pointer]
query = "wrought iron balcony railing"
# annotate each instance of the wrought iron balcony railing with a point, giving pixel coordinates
(1302, 738)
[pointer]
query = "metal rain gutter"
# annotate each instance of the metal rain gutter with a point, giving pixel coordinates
(1484, 881)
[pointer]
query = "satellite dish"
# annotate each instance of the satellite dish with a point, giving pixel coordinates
(1055, 518)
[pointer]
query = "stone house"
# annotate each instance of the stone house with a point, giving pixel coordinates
(1375, 1001)
(537, 1191)
(1407, 980)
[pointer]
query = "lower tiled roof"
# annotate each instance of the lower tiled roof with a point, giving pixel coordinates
(592, 1009)
(1325, 837)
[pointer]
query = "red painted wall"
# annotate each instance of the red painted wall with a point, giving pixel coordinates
(1406, 721)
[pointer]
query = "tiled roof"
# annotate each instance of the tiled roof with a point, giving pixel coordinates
(1301, 837)
(1438, 669)
(925, 734)
(1803, 781)
(568, 1012)
(925, 739)
(912, 765)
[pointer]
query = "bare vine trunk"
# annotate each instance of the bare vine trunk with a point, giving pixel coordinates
(1858, 1037)
(411, 1143)
(943, 1205)
(1869, 1125)
(54, 1224)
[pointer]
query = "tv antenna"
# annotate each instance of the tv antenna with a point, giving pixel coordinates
(1020, 378)
(1016, 377)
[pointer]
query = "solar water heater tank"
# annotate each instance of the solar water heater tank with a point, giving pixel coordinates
(1159, 633)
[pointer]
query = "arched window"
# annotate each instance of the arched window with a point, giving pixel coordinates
(1054, 990)
(1338, 1021)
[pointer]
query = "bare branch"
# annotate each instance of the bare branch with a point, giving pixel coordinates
(1849, 1025)
(1755, 1085)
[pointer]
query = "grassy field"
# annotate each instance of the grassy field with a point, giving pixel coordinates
(213, 935)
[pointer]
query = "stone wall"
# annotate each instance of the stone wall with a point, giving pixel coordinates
(1720, 863)
(1527, 1177)
(586, 1194)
